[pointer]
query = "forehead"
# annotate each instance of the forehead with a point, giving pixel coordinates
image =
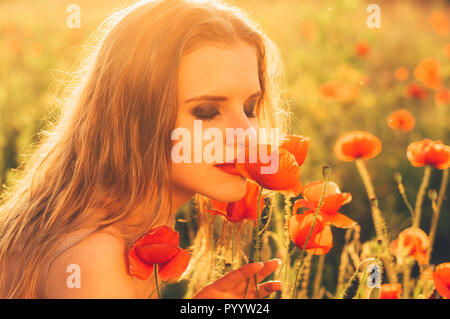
(219, 69)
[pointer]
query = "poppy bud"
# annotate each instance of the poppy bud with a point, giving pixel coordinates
(326, 171)
(432, 195)
(398, 177)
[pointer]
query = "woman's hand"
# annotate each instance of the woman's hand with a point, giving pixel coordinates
(234, 284)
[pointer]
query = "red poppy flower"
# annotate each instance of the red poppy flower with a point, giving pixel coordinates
(441, 277)
(416, 91)
(428, 152)
(401, 120)
(158, 247)
(362, 49)
(442, 96)
(401, 74)
(412, 242)
(332, 202)
(281, 176)
(428, 72)
(357, 144)
(299, 227)
(246, 208)
(390, 291)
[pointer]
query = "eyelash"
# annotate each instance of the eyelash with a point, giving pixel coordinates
(209, 117)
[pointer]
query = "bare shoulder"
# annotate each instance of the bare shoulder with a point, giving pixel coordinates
(95, 267)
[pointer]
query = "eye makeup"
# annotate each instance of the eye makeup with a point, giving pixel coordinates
(211, 109)
(206, 111)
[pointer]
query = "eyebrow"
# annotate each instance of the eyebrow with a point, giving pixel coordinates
(216, 97)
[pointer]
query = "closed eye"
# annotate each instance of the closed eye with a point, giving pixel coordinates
(206, 112)
(250, 108)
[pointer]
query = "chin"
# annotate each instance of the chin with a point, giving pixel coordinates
(228, 189)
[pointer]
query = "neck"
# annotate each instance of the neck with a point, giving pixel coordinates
(179, 198)
(141, 215)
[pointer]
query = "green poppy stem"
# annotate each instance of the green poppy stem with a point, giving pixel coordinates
(421, 195)
(318, 278)
(378, 220)
(300, 264)
(258, 237)
(258, 223)
(406, 279)
(401, 189)
(287, 215)
(156, 281)
(436, 206)
(442, 188)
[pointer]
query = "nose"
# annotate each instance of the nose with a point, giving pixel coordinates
(241, 132)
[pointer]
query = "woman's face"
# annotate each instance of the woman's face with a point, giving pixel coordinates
(219, 89)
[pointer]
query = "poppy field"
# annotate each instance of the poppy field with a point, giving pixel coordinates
(359, 207)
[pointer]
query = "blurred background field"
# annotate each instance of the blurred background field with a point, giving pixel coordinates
(321, 42)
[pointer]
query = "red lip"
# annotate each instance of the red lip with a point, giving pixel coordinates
(229, 168)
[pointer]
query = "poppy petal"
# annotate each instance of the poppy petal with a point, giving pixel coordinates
(160, 235)
(441, 277)
(285, 177)
(175, 267)
(323, 242)
(156, 253)
(137, 267)
(341, 221)
(296, 145)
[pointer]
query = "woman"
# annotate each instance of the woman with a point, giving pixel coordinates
(103, 176)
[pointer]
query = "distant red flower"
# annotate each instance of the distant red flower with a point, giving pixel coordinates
(428, 152)
(158, 247)
(333, 201)
(390, 291)
(412, 242)
(308, 29)
(401, 120)
(441, 277)
(362, 49)
(246, 208)
(416, 91)
(442, 96)
(439, 23)
(299, 227)
(447, 50)
(428, 72)
(401, 74)
(339, 91)
(357, 144)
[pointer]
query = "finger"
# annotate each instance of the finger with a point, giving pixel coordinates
(268, 287)
(264, 289)
(238, 276)
(269, 267)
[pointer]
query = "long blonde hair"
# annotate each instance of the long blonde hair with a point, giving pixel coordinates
(108, 155)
